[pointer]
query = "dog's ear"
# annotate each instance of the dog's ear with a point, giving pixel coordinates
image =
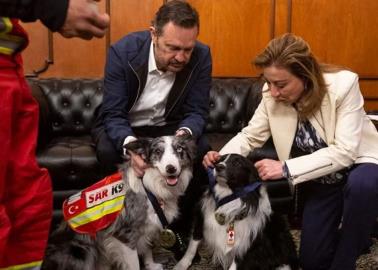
(191, 145)
(254, 175)
(139, 147)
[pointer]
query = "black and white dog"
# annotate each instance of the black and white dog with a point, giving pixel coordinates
(237, 223)
(150, 204)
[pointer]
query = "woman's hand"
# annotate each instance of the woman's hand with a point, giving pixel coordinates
(210, 159)
(269, 169)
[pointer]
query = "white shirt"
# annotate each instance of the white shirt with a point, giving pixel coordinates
(150, 107)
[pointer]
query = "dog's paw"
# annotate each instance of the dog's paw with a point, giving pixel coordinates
(154, 266)
(182, 265)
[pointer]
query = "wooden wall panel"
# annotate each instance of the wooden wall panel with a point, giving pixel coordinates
(72, 57)
(343, 32)
(37, 51)
(282, 18)
(81, 58)
(370, 93)
(236, 31)
(130, 15)
(77, 58)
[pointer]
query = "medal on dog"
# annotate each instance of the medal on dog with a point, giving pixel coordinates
(220, 218)
(167, 238)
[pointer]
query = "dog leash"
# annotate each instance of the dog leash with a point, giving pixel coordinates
(168, 238)
(239, 193)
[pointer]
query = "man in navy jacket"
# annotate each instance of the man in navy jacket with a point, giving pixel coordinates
(157, 83)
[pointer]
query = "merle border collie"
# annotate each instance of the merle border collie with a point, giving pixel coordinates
(139, 223)
(236, 222)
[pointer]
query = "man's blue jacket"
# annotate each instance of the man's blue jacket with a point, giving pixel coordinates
(125, 78)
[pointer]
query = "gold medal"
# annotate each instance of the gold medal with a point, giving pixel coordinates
(167, 238)
(220, 218)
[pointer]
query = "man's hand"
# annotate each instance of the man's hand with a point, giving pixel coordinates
(138, 164)
(83, 20)
(269, 169)
(210, 159)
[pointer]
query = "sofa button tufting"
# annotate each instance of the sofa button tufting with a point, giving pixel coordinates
(65, 104)
(77, 123)
(87, 105)
(223, 122)
(56, 124)
(72, 171)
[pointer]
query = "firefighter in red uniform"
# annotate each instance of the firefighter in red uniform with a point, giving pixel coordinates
(25, 189)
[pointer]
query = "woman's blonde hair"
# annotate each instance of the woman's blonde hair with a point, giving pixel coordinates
(294, 54)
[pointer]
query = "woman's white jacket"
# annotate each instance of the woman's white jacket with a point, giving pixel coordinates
(341, 122)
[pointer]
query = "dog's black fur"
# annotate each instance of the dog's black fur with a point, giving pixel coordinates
(266, 242)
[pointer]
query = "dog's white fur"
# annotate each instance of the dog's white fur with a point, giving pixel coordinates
(215, 234)
(216, 237)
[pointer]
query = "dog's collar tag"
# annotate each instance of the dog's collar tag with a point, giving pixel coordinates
(231, 234)
(95, 207)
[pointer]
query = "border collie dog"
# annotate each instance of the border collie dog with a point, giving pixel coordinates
(237, 224)
(150, 205)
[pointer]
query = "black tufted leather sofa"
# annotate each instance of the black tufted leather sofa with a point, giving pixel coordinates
(67, 110)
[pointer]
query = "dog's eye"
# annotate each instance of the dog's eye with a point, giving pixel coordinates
(179, 149)
(157, 152)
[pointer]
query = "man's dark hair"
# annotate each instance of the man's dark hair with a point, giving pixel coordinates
(178, 12)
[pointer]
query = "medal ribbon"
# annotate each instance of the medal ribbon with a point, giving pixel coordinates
(239, 193)
(163, 219)
(157, 208)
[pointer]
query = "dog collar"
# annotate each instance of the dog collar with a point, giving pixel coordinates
(239, 193)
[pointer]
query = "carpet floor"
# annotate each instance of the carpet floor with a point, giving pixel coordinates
(368, 261)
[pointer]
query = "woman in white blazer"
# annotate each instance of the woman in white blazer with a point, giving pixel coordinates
(327, 149)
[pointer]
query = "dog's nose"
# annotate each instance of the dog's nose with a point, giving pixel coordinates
(170, 169)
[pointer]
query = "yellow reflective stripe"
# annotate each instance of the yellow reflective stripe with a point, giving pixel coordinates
(6, 51)
(26, 266)
(8, 43)
(11, 38)
(6, 25)
(97, 212)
